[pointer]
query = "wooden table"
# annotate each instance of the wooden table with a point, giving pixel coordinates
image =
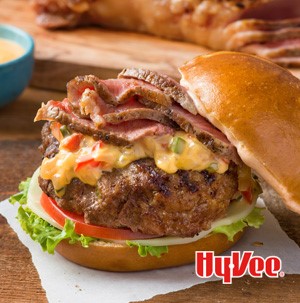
(19, 280)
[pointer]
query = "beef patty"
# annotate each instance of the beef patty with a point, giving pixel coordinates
(144, 198)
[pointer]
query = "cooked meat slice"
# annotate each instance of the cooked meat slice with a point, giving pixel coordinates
(94, 109)
(110, 93)
(52, 112)
(166, 84)
(91, 98)
(121, 130)
(79, 84)
(54, 13)
(199, 124)
(135, 114)
(146, 199)
(123, 89)
(205, 132)
(122, 134)
(282, 52)
(217, 24)
(153, 102)
(136, 129)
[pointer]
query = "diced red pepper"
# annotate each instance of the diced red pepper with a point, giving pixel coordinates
(88, 160)
(72, 142)
(97, 145)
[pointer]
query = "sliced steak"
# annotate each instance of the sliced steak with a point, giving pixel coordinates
(285, 53)
(136, 129)
(123, 134)
(197, 125)
(205, 132)
(111, 93)
(123, 89)
(92, 98)
(107, 109)
(136, 114)
(166, 84)
(79, 84)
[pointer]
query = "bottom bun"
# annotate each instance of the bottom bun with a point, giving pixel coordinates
(117, 257)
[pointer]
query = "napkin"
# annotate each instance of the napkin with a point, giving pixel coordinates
(66, 282)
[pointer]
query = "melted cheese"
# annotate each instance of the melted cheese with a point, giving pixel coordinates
(61, 169)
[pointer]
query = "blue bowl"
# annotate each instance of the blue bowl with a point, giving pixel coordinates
(15, 74)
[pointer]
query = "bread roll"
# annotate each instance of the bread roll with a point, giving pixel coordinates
(256, 104)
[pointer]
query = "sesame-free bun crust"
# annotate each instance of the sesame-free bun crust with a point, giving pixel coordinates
(256, 104)
(118, 257)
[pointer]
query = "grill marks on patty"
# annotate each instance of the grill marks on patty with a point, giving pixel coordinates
(186, 182)
(49, 146)
(144, 198)
(139, 103)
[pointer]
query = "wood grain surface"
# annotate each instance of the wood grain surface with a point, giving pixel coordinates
(63, 54)
(19, 280)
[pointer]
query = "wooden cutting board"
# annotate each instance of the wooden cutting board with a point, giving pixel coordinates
(63, 54)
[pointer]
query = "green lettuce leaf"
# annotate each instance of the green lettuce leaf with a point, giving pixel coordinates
(40, 230)
(21, 197)
(254, 219)
(143, 250)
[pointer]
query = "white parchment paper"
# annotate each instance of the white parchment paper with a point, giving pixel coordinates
(66, 282)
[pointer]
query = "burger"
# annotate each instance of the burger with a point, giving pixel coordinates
(139, 172)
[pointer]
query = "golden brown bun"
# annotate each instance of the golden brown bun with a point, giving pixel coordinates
(117, 257)
(256, 104)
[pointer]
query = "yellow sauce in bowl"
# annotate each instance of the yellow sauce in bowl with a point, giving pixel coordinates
(9, 50)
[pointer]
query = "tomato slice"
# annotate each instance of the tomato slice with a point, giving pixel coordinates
(248, 195)
(60, 215)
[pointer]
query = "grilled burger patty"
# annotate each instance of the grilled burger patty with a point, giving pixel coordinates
(144, 198)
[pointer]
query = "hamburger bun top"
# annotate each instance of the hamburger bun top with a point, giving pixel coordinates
(256, 104)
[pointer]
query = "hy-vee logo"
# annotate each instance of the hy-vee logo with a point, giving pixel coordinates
(236, 265)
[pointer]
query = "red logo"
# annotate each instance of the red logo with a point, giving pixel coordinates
(236, 265)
